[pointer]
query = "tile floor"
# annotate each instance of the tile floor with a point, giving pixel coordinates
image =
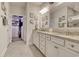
(15, 39)
(20, 49)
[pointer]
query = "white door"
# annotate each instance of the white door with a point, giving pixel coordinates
(15, 30)
(22, 34)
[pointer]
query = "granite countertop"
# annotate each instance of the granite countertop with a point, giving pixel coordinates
(71, 37)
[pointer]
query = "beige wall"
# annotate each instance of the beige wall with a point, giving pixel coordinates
(17, 8)
(4, 33)
(33, 9)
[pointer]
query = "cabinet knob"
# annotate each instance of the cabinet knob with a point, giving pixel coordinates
(72, 46)
(56, 47)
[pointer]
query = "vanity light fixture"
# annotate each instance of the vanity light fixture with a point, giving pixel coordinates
(44, 10)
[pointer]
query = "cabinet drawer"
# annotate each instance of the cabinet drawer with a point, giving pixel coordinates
(42, 49)
(48, 37)
(57, 40)
(36, 43)
(35, 40)
(67, 53)
(42, 35)
(51, 49)
(72, 45)
(42, 42)
(42, 38)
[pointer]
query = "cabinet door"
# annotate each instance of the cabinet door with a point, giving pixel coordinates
(36, 39)
(42, 49)
(42, 43)
(42, 39)
(51, 49)
(66, 53)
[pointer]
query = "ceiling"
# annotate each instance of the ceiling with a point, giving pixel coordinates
(37, 3)
(21, 4)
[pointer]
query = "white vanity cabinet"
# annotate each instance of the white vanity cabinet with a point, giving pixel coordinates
(55, 46)
(36, 39)
(67, 53)
(51, 49)
(59, 47)
(72, 45)
(57, 40)
(42, 43)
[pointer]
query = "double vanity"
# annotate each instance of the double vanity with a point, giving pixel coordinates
(53, 44)
(63, 39)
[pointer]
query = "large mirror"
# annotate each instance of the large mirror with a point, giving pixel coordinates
(65, 15)
(73, 15)
(73, 21)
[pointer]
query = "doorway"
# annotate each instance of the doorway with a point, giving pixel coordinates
(17, 28)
